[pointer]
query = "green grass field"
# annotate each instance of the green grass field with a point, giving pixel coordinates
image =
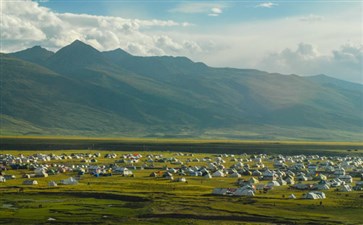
(147, 200)
(183, 145)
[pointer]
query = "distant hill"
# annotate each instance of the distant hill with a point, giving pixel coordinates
(81, 91)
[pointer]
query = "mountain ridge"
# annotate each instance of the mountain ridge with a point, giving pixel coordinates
(173, 96)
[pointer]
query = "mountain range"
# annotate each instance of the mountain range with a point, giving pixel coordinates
(79, 90)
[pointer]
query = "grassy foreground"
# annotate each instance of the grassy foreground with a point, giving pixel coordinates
(148, 200)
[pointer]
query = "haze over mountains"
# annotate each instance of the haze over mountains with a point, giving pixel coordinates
(81, 91)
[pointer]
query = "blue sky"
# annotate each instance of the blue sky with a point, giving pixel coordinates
(300, 37)
(232, 11)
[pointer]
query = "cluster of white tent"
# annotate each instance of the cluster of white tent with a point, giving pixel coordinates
(68, 181)
(296, 171)
(247, 190)
(314, 195)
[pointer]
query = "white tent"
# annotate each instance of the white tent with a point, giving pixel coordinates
(253, 180)
(52, 184)
(290, 180)
(320, 177)
(346, 178)
(281, 181)
(181, 179)
(345, 188)
(292, 196)
(300, 186)
(301, 178)
(235, 174)
(273, 184)
(123, 171)
(315, 195)
(218, 173)
(30, 182)
(2, 179)
(256, 173)
(69, 181)
(322, 187)
(244, 192)
(40, 171)
(219, 191)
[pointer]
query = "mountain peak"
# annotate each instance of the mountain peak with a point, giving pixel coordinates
(75, 55)
(78, 43)
(78, 46)
(36, 54)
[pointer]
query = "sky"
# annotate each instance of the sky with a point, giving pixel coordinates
(291, 37)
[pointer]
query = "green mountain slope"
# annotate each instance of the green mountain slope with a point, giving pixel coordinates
(81, 91)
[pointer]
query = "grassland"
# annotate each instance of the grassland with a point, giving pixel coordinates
(146, 200)
(183, 145)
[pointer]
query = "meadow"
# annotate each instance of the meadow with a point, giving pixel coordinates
(142, 199)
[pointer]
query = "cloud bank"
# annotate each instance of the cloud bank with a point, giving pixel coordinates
(25, 24)
(344, 62)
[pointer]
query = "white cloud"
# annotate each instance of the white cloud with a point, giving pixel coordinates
(26, 23)
(266, 5)
(165, 42)
(216, 10)
(311, 18)
(211, 9)
(343, 63)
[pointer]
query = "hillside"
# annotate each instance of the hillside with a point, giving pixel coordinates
(81, 91)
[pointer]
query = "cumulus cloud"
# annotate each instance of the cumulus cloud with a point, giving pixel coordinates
(343, 63)
(266, 5)
(26, 23)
